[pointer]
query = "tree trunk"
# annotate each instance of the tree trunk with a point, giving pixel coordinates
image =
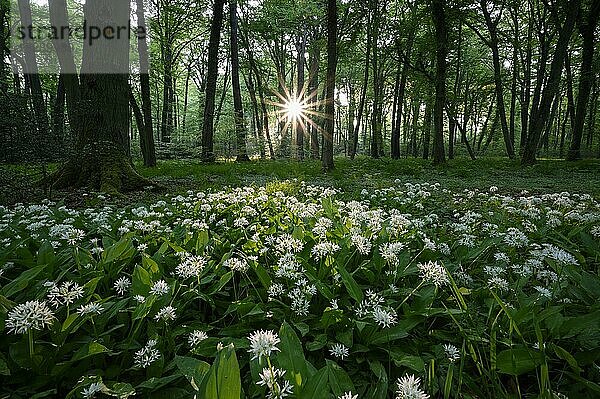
(238, 108)
(438, 13)
(314, 58)
(493, 43)
(147, 134)
(300, 94)
(211, 82)
(100, 157)
(32, 74)
(332, 18)
(363, 97)
(586, 78)
(540, 118)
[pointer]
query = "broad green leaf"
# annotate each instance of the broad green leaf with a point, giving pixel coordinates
(119, 390)
(223, 379)
(518, 361)
(141, 281)
(317, 386)
(221, 283)
(291, 357)
(339, 381)
(350, 284)
(21, 282)
(90, 349)
(193, 369)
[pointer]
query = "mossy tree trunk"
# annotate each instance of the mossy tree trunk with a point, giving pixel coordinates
(100, 157)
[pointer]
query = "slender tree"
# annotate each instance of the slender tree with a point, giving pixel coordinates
(238, 108)
(211, 82)
(438, 12)
(147, 131)
(332, 19)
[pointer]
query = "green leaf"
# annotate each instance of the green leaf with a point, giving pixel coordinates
(291, 358)
(316, 386)
(518, 361)
(350, 284)
(120, 250)
(223, 379)
(221, 283)
(45, 255)
(193, 369)
(21, 282)
(90, 349)
(339, 381)
(4, 370)
(120, 390)
(141, 281)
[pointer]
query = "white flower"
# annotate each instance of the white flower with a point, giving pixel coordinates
(348, 395)
(94, 388)
(362, 244)
(236, 264)
(452, 352)
(140, 298)
(122, 285)
(196, 337)
(90, 308)
(262, 343)
(160, 288)
(497, 283)
(323, 249)
(31, 315)
(385, 318)
(339, 350)
(64, 294)
(273, 379)
(434, 273)
(147, 355)
(543, 291)
(408, 387)
(191, 266)
(166, 313)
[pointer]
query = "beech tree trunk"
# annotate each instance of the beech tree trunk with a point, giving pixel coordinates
(147, 131)
(208, 154)
(586, 78)
(332, 17)
(238, 108)
(438, 12)
(100, 158)
(540, 117)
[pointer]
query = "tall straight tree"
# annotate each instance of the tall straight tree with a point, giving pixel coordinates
(31, 72)
(332, 19)
(438, 13)
(587, 27)
(540, 114)
(208, 154)
(147, 132)
(100, 158)
(238, 108)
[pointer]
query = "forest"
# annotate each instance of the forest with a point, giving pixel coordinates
(311, 199)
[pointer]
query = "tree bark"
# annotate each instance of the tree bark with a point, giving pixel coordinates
(147, 133)
(211, 82)
(100, 158)
(586, 78)
(32, 74)
(238, 108)
(438, 12)
(332, 18)
(540, 118)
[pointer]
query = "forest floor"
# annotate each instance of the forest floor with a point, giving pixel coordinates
(351, 176)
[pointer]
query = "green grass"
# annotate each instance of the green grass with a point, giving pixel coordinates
(178, 176)
(353, 176)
